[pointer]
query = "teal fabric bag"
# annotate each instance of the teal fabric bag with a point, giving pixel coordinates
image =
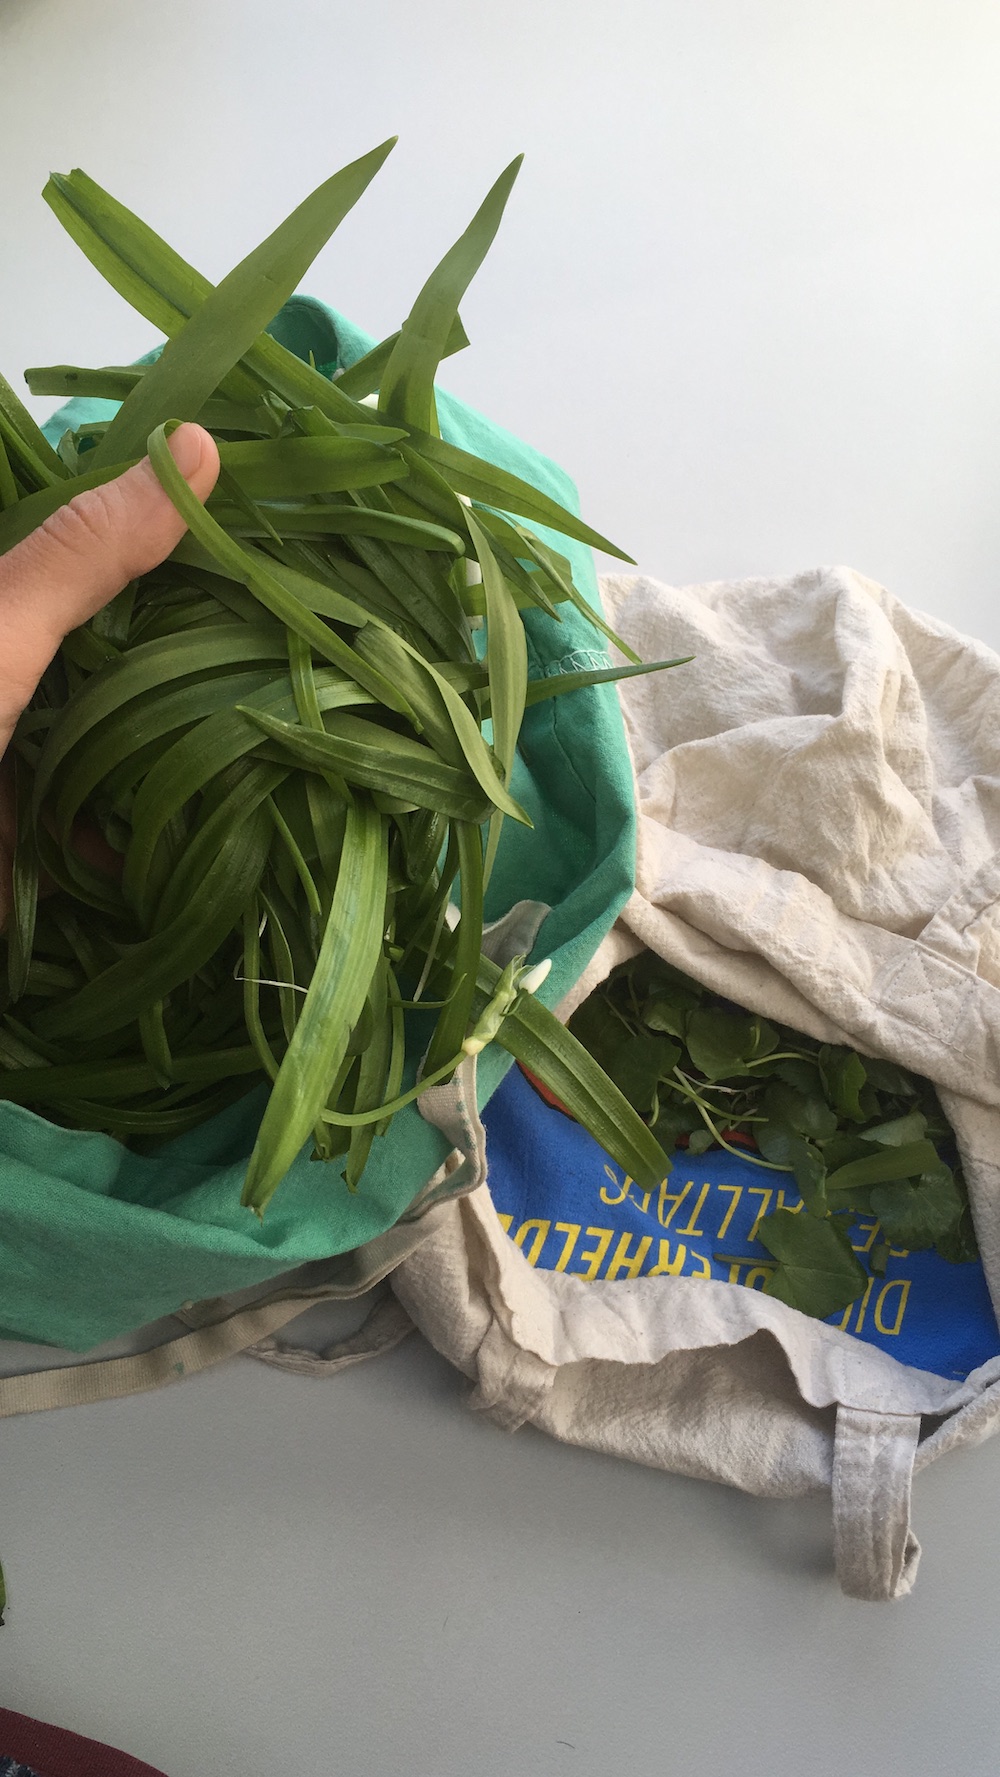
(95, 1240)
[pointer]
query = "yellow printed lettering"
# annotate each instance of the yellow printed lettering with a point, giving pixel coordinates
(621, 1260)
(695, 1213)
(676, 1198)
(667, 1266)
(706, 1266)
(572, 1233)
(540, 1230)
(736, 1192)
(871, 1228)
(792, 1208)
(505, 1222)
(765, 1196)
(762, 1272)
(622, 1194)
(864, 1304)
(902, 1284)
(597, 1254)
(644, 1205)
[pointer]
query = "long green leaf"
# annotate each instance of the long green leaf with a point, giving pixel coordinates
(147, 668)
(533, 1034)
(261, 582)
(406, 393)
(507, 665)
(365, 373)
(290, 468)
(494, 486)
(31, 439)
(467, 943)
(228, 321)
(152, 969)
(347, 961)
(376, 759)
(559, 684)
(24, 886)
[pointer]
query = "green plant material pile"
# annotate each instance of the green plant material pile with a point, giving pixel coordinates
(280, 733)
(859, 1136)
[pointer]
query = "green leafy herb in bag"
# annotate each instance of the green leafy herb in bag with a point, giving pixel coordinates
(858, 1135)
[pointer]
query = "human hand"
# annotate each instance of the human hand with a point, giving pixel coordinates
(75, 562)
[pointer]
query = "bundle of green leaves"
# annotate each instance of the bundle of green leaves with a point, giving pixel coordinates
(280, 733)
(858, 1135)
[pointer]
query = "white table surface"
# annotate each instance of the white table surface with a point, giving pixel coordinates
(747, 292)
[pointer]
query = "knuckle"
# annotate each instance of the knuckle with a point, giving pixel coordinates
(85, 521)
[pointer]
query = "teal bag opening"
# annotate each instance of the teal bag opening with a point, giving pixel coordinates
(96, 1240)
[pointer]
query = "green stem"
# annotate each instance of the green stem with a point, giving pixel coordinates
(358, 1119)
(740, 1153)
(781, 1055)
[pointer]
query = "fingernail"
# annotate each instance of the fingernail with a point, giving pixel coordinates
(186, 446)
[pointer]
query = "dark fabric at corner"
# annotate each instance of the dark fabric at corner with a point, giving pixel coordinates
(35, 1749)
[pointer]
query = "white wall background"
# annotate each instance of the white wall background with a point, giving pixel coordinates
(747, 292)
(747, 286)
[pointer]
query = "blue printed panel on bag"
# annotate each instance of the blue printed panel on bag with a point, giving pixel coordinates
(570, 1208)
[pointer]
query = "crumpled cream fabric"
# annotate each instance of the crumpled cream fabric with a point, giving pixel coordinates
(818, 796)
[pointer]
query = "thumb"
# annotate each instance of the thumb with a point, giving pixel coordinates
(84, 554)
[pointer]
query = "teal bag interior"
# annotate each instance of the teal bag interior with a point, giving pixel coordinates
(96, 1240)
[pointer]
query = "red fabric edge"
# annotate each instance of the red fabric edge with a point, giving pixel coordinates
(55, 1752)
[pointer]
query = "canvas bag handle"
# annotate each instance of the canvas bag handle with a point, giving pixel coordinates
(876, 1552)
(251, 1330)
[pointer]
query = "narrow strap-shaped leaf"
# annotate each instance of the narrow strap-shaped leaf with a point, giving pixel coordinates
(406, 392)
(162, 1123)
(447, 722)
(155, 1042)
(300, 665)
(290, 468)
(261, 582)
(107, 382)
(418, 592)
(507, 665)
(559, 684)
(365, 373)
(347, 961)
(108, 748)
(30, 435)
(9, 491)
(453, 1021)
(373, 1075)
(251, 992)
(493, 486)
(563, 578)
(184, 769)
(152, 969)
(283, 972)
(154, 279)
(294, 851)
(163, 287)
(226, 324)
(533, 1034)
(146, 668)
(329, 520)
(20, 931)
(214, 826)
(315, 589)
(376, 759)
(120, 1079)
